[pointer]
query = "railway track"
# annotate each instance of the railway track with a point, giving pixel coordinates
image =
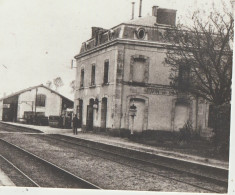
(18, 177)
(39, 172)
(211, 180)
(216, 185)
(13, 128)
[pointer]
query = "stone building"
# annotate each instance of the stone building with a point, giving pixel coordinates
(39, 100)
(123, 66)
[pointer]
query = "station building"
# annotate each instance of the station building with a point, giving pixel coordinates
(38, 100)
(123, 66)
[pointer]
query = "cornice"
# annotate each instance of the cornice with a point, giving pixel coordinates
(143, 43)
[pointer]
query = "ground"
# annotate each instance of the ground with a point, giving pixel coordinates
(172, 142)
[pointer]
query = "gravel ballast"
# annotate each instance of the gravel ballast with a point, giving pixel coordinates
(104, 173)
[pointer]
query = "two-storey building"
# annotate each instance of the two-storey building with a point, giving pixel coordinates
(123, 66)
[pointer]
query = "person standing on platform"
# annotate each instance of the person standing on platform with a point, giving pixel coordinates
(75, 125)
(79, 124)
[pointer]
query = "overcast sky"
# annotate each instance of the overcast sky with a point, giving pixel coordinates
(39, 38)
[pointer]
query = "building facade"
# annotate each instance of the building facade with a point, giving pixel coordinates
(38, 100)
(124, 66)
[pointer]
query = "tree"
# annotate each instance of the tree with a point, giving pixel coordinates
(58, 82)
(49, 84)
(73, 86)
(200, 56)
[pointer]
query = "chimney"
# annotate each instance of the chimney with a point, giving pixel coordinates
(133, 10)
(94, 31)
(140, 8)
(154, 10)
(164, 16)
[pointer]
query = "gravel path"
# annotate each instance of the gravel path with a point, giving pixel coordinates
(104, 173)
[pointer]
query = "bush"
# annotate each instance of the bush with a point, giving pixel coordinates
(125, 133)
(221, 128)
(114, 132)
(186, 133)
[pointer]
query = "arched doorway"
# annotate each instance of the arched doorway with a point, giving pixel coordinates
(104, 113)
(138, 123)
(80, 111)
(90, 118)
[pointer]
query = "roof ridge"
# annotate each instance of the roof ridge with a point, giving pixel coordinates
(33, 87)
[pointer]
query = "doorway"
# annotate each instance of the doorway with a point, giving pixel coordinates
(90, 117)
(104, 113)
(80, 111)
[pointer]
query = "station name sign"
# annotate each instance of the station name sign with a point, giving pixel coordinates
(156, 91)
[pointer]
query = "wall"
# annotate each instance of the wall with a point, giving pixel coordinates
(158, 72)
(52, 106)
(99, 90)
(159, 112)
(155, 90)
(160, 106)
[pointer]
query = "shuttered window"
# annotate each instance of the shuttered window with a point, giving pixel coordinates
(106, 71)
(41, 100)
(82, 78)
(93, 75)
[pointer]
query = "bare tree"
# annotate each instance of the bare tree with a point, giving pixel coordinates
(58, 82)
(73, 86)
(200, 56)
(49, 84)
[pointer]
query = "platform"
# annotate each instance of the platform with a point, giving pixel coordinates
(5, 180)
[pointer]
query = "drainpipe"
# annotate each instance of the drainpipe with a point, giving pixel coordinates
(35, 109)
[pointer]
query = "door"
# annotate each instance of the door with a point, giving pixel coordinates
(104, 113)
(89, 119)
(80, 112)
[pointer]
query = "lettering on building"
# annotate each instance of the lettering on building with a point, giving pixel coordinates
(155, 91)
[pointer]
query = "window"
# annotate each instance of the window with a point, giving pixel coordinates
(139, 70)
(93, 75)
(184, 74)
(211, 116)
(82, 78)
(106, 71)
(41, 100)
(141, 33)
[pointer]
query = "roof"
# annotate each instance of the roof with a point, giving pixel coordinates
(144, 21)
(30, 88)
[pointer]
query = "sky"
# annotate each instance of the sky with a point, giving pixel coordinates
(39, 38)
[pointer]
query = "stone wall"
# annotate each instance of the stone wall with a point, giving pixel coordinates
(99, 90)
